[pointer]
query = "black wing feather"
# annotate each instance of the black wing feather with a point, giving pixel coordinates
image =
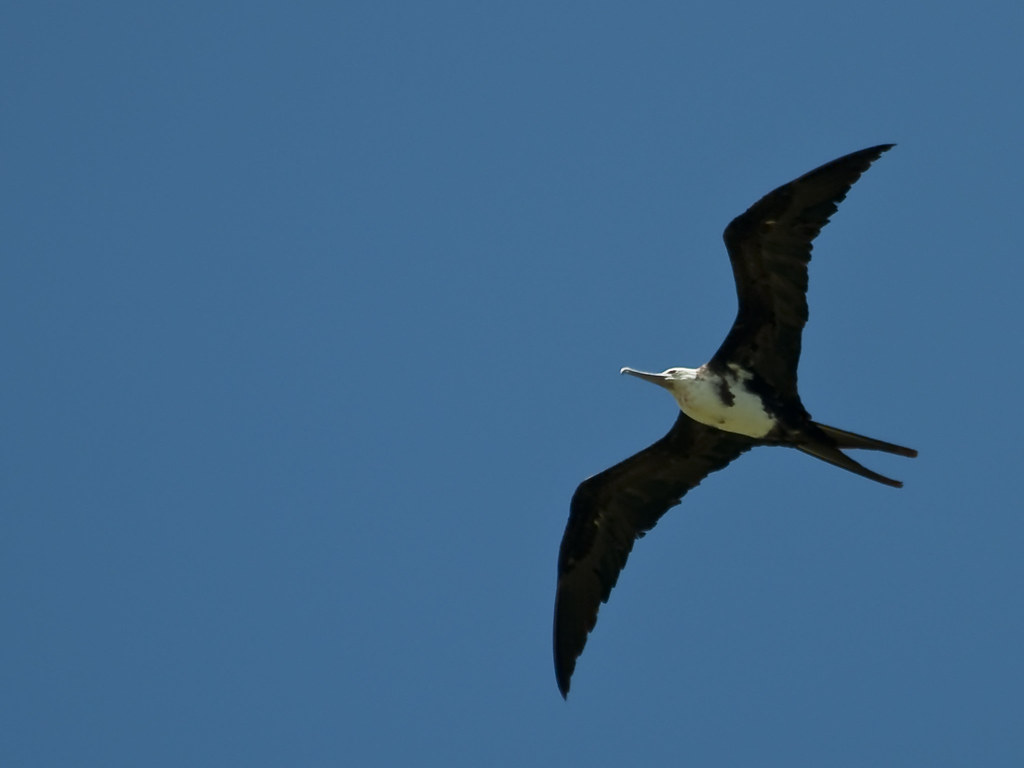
(610, 510)
(770, 247)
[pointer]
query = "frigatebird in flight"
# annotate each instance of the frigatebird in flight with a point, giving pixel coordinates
(745, 396)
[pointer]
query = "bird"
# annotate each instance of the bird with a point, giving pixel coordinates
(744, 396)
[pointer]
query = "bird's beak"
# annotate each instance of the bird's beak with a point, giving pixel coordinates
(655, 378)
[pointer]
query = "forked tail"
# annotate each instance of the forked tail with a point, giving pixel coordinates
(828, 450)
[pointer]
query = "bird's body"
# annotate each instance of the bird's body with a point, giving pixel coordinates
(721, 400)
(745, 396)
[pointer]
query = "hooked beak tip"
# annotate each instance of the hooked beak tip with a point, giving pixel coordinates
(654, 378)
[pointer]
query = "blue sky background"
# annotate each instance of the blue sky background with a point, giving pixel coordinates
(312, 316)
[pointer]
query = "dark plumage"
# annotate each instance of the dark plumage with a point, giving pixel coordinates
(769, 247)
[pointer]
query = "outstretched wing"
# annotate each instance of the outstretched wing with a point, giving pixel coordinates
(610, 510)
(770, 247)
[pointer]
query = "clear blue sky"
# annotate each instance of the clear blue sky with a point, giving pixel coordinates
(312, 316)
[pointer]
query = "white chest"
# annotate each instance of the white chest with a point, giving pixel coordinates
(700, 398)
